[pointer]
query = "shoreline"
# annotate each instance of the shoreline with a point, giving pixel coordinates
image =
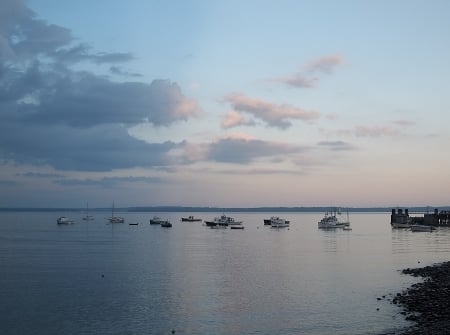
(426, 303)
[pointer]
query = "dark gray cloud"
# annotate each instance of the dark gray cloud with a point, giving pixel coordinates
(101, 148)
(52, 114)
(337, 145)
(40, 175)
(242, 151)
(108, 182)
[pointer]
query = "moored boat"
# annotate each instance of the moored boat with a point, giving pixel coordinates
(165, 223)
(115, 219)
(155, 220)
(419, 227)
(222, 220)
(190, 218)
(63, 220)
(268, 222)
(331, 221)
(279, 223)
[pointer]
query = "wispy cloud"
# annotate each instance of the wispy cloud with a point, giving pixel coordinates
(337, 145)
(299, 80)
(40, 175)
(108, 182)
(243, 151)
(375, 131)
(274, 115)
(325, 64)
(303, 79)
(404, 123)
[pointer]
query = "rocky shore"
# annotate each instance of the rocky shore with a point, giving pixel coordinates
(427, 303)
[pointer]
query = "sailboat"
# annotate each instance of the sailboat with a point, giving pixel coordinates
(115, 219)
(87, 217)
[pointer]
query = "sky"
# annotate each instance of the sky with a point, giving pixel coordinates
(224, 103)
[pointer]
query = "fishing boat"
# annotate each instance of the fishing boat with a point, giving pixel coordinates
(279, 223)
(165, 223)
(63, 220)
(332, 219)
(222, 220)
(115, 219)
(190, 218)
(155, 220)
(268, 222)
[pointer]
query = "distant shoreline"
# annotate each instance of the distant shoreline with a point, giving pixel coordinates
(185, 209)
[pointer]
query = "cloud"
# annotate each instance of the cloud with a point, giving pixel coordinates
(364, 131)
(243, 151)
(234, 119)
(274, 115)
(108, 182)
(119, 71)
(337, 145)
(73, 119)
(404, 123)
(40, 175)
(88, 100)
(101, 148)
(299, 80)
(325, 64)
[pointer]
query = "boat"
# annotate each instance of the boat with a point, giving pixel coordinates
(133, 224)
(190, 218)
(155, 220)
(237, 227)
(419, 227)
(332, 220)
(115, 219)
(165, 223)
(63, 220)
(87, 217)
(268, 222)
(279, 223)
(223, 220)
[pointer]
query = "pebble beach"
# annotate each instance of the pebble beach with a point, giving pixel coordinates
(426, 303)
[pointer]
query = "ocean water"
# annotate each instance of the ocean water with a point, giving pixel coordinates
(97, 278)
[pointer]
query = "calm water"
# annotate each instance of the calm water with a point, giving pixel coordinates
(96, 278)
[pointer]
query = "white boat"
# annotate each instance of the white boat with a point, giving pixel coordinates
(63, 220)
(277, 222)
(419, 227)
(155, 220)
(115, 219)
(222, 220)
(87, 217)
(332, 219)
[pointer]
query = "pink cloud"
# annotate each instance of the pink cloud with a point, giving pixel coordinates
(299, 81)
(325, 64)
(274, 115)
(234, 119)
